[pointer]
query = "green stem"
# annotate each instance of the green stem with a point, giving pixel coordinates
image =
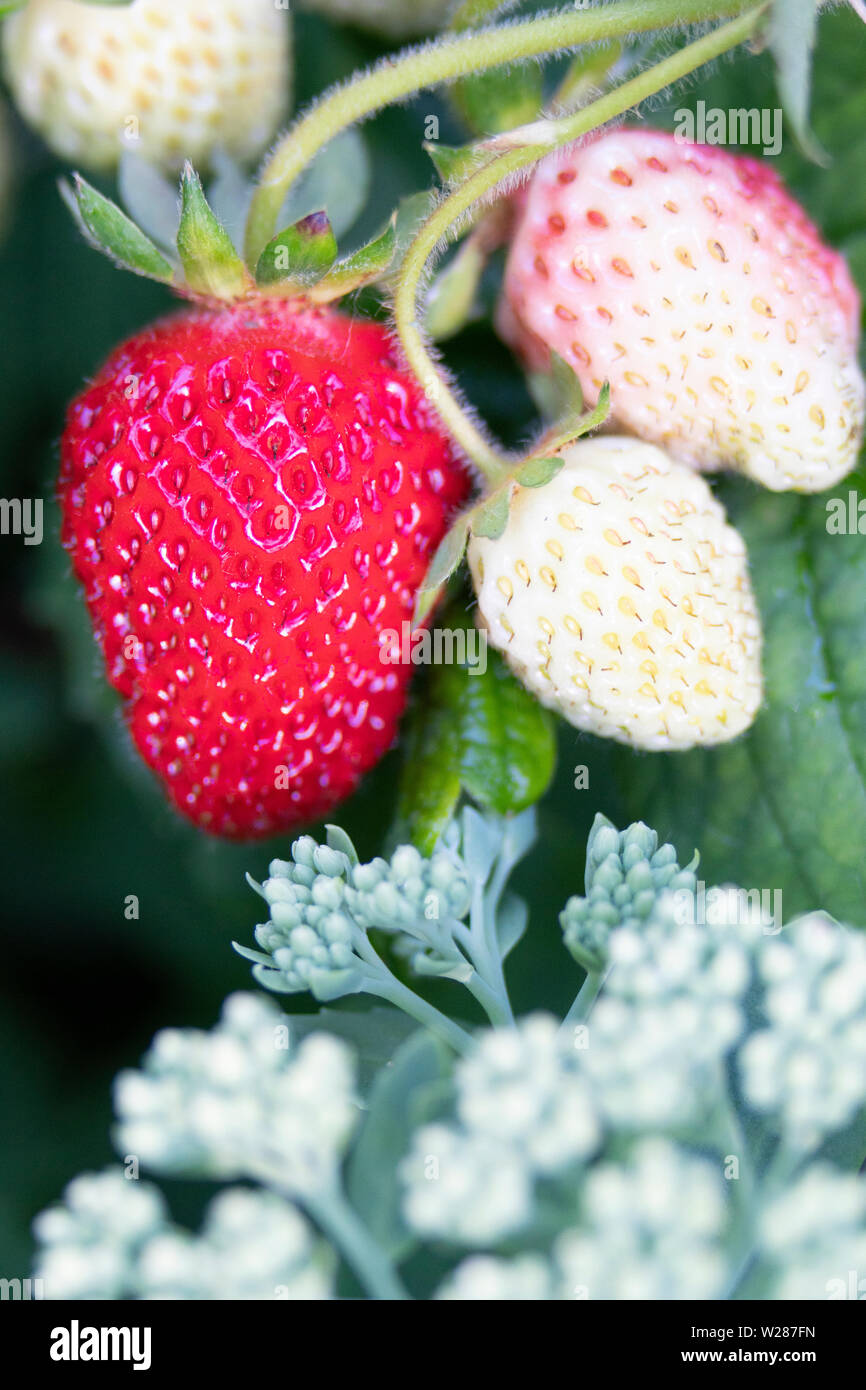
(445, 60)
(343, 1227)
(550, 135)
(383, 983)
(586, 997)
(497, 1008)
(486, 953)
(395, 992)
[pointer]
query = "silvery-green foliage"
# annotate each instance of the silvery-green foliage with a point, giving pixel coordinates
(692, 1129)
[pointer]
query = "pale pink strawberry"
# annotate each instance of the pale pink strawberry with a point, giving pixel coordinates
(693, 282)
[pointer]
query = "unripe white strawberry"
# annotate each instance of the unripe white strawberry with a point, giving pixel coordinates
(169, 79)
(620, 595)
(396, 19)
(692, 281)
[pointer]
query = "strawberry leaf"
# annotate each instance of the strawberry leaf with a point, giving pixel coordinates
(784, 807)
(149, 197)
(298, 257)
(403, 1094)
(791, 33)
(109, 230)
(490, 102)
(477, 732)
(211, 264)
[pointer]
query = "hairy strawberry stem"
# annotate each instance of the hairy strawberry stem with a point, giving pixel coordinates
(522, 149)
(445, 60)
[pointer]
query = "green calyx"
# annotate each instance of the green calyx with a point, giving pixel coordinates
(488, 516)
(204, 264)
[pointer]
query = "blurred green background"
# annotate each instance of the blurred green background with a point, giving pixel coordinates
(83, 988)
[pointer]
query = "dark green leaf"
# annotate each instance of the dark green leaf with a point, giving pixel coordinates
(573, 427)
(454, 293)
(454, 162)
(478, 731)
(491, 102)
(784, 807)
(586, 73)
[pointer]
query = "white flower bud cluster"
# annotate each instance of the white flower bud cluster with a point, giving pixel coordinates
(807, 1065)
(322, 902)
(670, 1011)
(253, 1245)
(310, 937)
(626, 872)
(814, 1235)
(111, 1239)
(239, 1102)
(524, 1110)
(417, 899)
(464, 1186)
(90, 1243)
(652, 1228)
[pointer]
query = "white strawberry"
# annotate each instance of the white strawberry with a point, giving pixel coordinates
(396, 19)
(169, 79)
(689, 279)
(620, 595)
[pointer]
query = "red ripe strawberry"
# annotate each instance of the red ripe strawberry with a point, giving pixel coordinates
(251, 495)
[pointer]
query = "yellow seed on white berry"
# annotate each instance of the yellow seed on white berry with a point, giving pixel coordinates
(661, 649)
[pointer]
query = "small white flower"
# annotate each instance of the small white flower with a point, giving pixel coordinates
(233, 1104)
(813, 1235)
(469, 1188)
(89, 1244)
(253, 1245)
(653, 1228)
(807, 1065)
(524, 1088)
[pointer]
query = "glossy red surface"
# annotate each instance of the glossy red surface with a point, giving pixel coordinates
(250, 497)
